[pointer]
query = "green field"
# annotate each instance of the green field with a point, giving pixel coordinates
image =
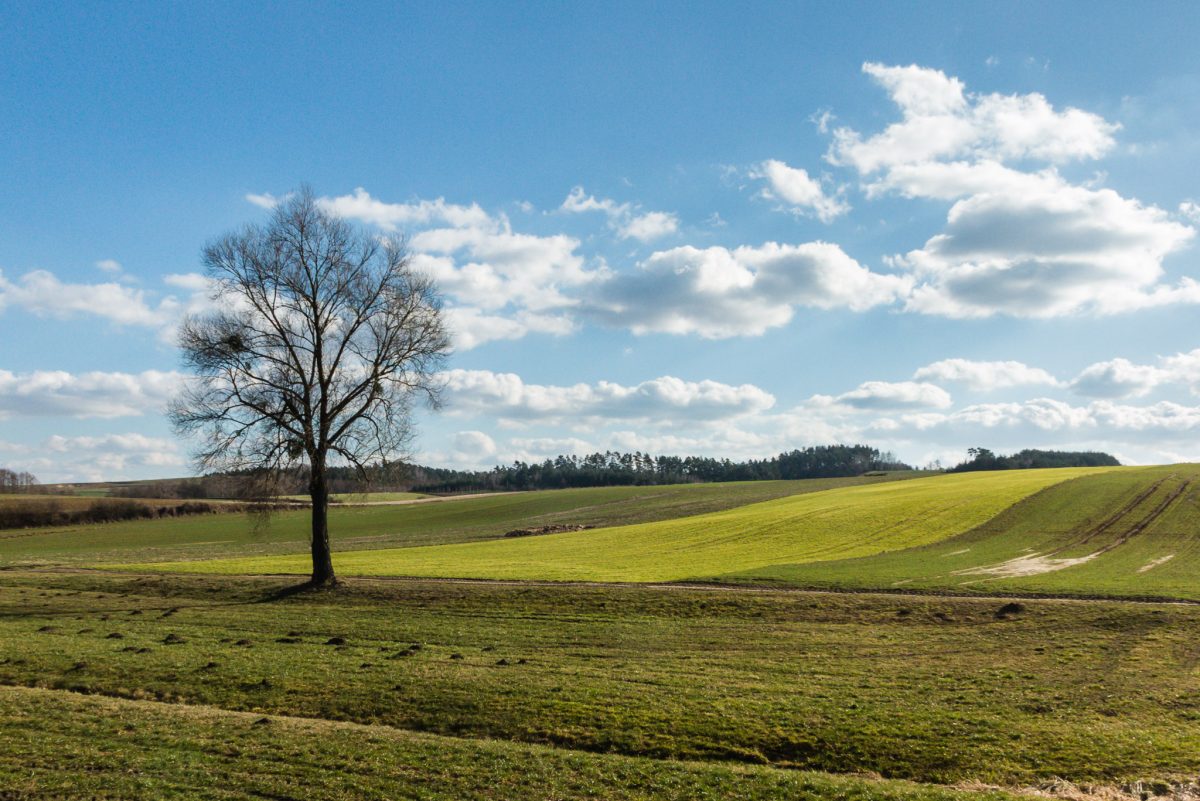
(1113, 532)
(1132, 532)
(843, 523)
(932, 690)
(192, 681)
(60, 745)
(454, 520)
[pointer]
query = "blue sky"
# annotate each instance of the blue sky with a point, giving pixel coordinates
(715, 229)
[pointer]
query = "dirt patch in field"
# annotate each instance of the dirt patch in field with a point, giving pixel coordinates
(1153, 563)
(1030, 565)
(1068, 791)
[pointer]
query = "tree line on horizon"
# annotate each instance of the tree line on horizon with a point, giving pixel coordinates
(613, 468)
(600, 469)
(607, 469)
(14, 482)
(1030, 458)
(610, 468)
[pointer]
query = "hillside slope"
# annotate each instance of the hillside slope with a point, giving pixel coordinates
(435, 522)
(1130, 532)
(835, 524)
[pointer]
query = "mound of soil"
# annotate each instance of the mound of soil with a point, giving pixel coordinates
(1010, 609)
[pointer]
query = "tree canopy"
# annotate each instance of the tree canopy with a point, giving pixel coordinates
(320, 339)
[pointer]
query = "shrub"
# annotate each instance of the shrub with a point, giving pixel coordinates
(39, 513)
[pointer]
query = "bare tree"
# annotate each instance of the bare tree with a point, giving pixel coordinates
(322, 339)
(13, 482)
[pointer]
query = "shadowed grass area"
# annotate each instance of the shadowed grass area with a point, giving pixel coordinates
(840, 523)
(928, 689)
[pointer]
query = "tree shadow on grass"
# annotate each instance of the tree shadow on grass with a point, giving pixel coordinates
(305, 588)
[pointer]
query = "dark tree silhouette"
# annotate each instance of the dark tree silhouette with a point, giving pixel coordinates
(321, 340)
(12, 481)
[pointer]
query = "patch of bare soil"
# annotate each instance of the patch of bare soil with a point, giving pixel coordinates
(1030, 565)
(1153, 563)
(1067, 791)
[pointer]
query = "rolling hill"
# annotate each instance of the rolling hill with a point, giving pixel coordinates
(430, 522)
(835, 524)
(1132, 532)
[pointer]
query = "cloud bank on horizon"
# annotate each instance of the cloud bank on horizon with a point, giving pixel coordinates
(1022, 238)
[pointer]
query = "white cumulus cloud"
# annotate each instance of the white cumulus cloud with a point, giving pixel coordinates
(624, 218)
(471, 327)
(1049, 420)
(265, 200)
(801, 193)
(56, 393)
(985, 376)
(717, 293)
(360, 205)
(1062, 250)
(881, 395)
(649, 226)
(41, 293)
(507, 396)
(107, 457)
(501, 284)
(1016, 242)
(941, 120)
(1121, 378)
(1118, 378)
(473, 447)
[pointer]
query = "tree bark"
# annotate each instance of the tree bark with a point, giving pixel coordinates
(322, 558)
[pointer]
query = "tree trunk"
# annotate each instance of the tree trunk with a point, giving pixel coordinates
(322, 558)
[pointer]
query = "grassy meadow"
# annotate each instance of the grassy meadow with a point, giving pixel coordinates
(204, 678)
(930, 690)
(62, 745)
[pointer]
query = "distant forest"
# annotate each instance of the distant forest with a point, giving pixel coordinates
(618, 469)
(608, 469)
(621, 469)
(983, 459)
